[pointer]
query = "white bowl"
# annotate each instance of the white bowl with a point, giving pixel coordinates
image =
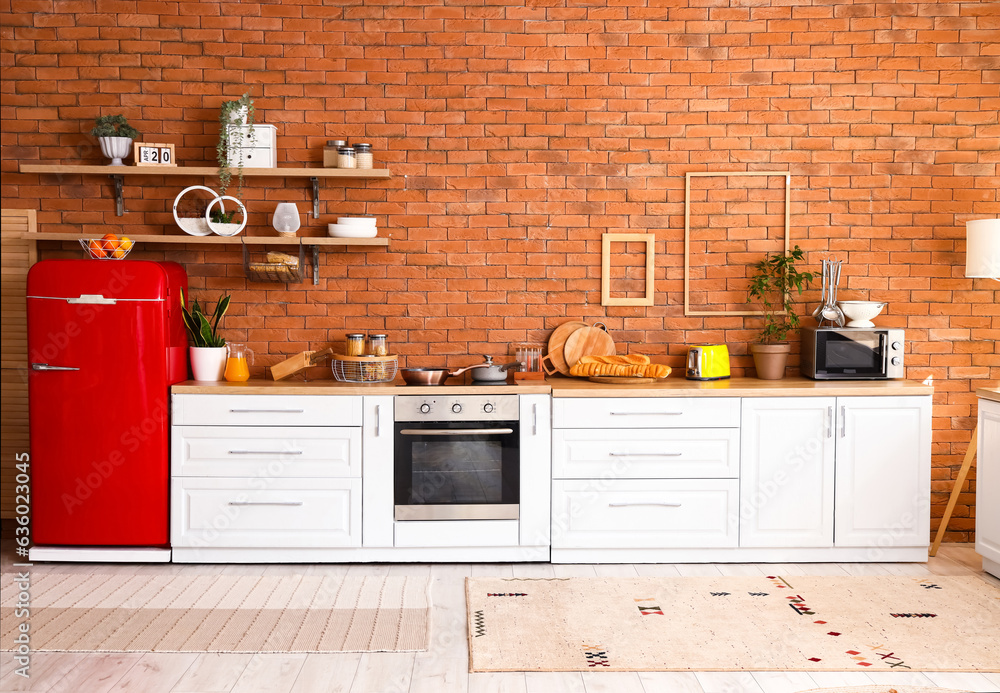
(860, 313)
(356, 221)
(351, 231)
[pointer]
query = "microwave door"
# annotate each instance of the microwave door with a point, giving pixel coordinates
(852, 355)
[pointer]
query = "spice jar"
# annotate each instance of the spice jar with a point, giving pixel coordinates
(331, 151)
(355, 345)
(377, 345)
(364, 155)
(346, 158)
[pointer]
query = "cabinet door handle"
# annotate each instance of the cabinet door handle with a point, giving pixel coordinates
(265, 452)
(642, 504)
(378, 416)
(829, 421)
(266, 411)
(646, 413)
(843, 421)
(534, 421)
(265, 502)
(645, 454)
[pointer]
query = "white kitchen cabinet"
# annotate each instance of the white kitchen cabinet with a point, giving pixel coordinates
(844, 472)
(378, 505)
(988, 486)
(883, 472)
(787, 471)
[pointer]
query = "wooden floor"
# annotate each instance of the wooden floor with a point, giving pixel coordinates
(444, 668)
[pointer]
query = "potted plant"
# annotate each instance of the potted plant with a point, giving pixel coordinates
(208, 350)
(771, 287)
(233, 116)
(115, 136)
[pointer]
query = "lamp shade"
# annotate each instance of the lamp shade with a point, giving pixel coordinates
(982, 248)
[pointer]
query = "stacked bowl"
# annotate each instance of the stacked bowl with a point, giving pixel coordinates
(353, 227)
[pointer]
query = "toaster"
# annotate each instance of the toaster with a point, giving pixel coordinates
(708, 362)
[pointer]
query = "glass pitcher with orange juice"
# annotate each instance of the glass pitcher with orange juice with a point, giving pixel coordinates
(237, 370)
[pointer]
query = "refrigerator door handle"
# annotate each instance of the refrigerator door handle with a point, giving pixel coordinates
(47, 367)
(93, 299)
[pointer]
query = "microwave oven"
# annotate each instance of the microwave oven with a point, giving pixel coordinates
(852, 353)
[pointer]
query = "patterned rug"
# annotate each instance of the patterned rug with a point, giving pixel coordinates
(762, 623)
(219, 613)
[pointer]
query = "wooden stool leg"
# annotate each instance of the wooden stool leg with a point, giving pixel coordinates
(970, 455)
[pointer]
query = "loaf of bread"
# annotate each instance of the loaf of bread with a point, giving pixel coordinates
(630, 366)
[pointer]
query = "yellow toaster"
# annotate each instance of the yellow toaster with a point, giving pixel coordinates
(708, 362)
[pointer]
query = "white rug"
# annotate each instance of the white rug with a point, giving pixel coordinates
(733, 624)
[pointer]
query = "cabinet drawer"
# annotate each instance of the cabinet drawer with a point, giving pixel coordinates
(265, 452)
(646, 412)
(643, 514)
(271, 513)
(698, 453)
(266, 410)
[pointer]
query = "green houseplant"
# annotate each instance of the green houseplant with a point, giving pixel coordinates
(115, 136)
(229, 151)
(771, 286)
(208, 348)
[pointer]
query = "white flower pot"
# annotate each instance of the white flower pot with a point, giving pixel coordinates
(208, 363)
(115, 148)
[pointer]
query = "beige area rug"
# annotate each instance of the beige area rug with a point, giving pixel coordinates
(762, 623)
(220, 613)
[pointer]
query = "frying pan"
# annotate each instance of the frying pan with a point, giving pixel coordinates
(430, 376)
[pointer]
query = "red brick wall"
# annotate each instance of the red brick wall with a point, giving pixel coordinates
(518, 133)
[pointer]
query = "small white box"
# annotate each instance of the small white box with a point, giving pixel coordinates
(263, 153)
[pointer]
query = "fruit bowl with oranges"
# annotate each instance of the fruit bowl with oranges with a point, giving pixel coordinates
(109, 247)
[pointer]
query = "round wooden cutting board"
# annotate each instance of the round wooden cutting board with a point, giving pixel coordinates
(554, 362)
(588, 341)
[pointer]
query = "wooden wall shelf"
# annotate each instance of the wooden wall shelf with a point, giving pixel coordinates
(118, 173)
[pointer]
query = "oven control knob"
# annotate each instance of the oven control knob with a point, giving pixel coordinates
(457, 408)
(896, 346)
(896, 361)
(488, 408)
(425, 408)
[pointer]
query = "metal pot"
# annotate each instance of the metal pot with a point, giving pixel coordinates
(492, 372)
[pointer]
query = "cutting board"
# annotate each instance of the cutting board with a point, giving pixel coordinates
(554, 362)
(588, 341)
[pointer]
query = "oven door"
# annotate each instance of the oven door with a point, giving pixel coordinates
(467, 470)
(852, 354)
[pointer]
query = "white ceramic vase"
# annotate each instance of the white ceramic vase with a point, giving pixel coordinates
(208, 363)
(115, 148)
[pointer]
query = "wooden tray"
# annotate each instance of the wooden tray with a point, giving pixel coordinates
(554, 361)
(588, 341)
(621, 380)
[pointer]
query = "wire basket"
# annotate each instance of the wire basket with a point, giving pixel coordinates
(273, 266)
(100, 249)
(364, 369)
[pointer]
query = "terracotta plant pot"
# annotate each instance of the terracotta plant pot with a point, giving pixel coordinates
(208, 363)
(770, 359)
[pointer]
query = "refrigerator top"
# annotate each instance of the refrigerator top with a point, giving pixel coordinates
(107, 279)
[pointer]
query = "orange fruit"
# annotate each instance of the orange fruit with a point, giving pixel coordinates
(96, 249)
(118, 253)
(110, 242)
(125, 243)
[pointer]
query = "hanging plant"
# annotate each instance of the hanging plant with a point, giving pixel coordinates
(232, 116)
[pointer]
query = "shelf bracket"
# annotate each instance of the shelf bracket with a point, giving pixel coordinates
(315, 249)
(315, 185)
(119, 195)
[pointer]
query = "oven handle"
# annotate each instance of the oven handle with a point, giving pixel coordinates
(456, 431)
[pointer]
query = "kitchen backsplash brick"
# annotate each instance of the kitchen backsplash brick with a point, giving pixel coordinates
(518, 133)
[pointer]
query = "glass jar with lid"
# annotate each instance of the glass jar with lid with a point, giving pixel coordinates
(355, 345)
(346, 158)
(331, 151)
(378, 345)
(363, 150)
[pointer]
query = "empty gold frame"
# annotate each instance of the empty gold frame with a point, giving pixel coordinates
(687, 232)
(606, 240)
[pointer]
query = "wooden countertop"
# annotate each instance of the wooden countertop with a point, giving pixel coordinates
(739, 387)
(579, 387)
(990, 393)
(333, 387)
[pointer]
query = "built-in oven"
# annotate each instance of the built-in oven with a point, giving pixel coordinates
(852, 353)
(456, 457)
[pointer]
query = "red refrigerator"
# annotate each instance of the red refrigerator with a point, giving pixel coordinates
(105, 343)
